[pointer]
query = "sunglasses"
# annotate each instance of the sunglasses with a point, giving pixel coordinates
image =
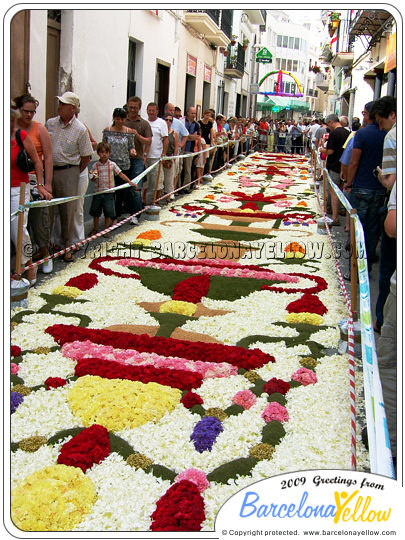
(169, 119)
(25, 111)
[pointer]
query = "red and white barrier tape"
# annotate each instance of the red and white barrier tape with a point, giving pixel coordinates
(108, 229)
(350, 341)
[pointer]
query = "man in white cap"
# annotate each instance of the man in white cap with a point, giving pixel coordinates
(71, 152)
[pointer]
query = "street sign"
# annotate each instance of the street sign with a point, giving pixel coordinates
(264, 56)
(254, 88)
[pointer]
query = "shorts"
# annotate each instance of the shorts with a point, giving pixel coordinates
(335, 177)
(103, 203)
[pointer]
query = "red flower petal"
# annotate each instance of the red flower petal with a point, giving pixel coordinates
(176, 378)
(308, 303)
(181, 508)
(192, 289)
(15, 351)
(83, 282)
(212, 352)
(90, 446)
(54, 382)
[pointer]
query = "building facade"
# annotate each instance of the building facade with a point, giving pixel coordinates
(187, 57)
(360, 49)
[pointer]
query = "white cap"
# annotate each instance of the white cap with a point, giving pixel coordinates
(70, 98)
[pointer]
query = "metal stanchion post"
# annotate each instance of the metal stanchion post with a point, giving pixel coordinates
(314, 164)
(325, 191)
(20, 231)
(353, 265)
(157, 181)
(212, 160)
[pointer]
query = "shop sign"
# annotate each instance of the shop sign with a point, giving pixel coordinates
(191, 65)
(391, 55)
(264, 56)
(207, 73)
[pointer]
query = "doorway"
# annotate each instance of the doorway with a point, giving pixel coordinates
(52, 66)
(19, 53)
(237, 108)
(190, 92)
(206, 96)
(162, 86)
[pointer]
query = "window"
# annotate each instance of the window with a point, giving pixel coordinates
(289, 65)
(283, 63)
(278, 62)
(290, 42)
(285, 42)
(295, 65)
(279, 41)
(293, 88)
(287, 88)
(296, 43)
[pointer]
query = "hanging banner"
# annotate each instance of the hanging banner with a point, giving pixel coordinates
(391, 55)
(207, 73)
(191, 65)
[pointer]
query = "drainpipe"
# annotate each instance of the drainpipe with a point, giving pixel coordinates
(377, 86)
(352, 93)
(391, 83)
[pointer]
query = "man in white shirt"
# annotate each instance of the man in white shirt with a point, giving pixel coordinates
(157, 149)
(71, 152)
(315, 125)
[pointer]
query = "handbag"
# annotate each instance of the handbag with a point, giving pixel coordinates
(23, 160)
(167, 163)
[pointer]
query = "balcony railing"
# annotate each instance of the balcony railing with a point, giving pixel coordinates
(213, 13)
(235, 62)
(226, 21)
(215, 24)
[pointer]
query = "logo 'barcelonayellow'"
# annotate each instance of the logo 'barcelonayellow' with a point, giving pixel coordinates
(347, 507)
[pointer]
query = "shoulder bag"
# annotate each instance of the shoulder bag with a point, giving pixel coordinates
(23, 161)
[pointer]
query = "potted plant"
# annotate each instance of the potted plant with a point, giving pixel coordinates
(335, 18)
(233, 40)
(316, 69)
(245, 44)
(232, 61)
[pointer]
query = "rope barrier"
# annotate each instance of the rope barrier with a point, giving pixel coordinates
(122, 222)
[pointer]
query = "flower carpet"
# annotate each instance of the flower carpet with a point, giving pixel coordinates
(185, 359)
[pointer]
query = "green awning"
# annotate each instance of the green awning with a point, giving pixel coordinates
(298, 105)
(272, 101)
(281, 103)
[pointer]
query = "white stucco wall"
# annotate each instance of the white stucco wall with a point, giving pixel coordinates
(94, 60)
(37, 71)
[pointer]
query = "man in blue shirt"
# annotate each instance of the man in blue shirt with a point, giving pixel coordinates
(366, 194)
(385, 111)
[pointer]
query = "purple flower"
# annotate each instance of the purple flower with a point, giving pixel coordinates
(16, 400)
(205, 433)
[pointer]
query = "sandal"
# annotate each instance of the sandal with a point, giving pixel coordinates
(68, 257)
(335, 222)
(94, 231)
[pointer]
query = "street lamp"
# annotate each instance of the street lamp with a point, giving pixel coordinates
(254, 73)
